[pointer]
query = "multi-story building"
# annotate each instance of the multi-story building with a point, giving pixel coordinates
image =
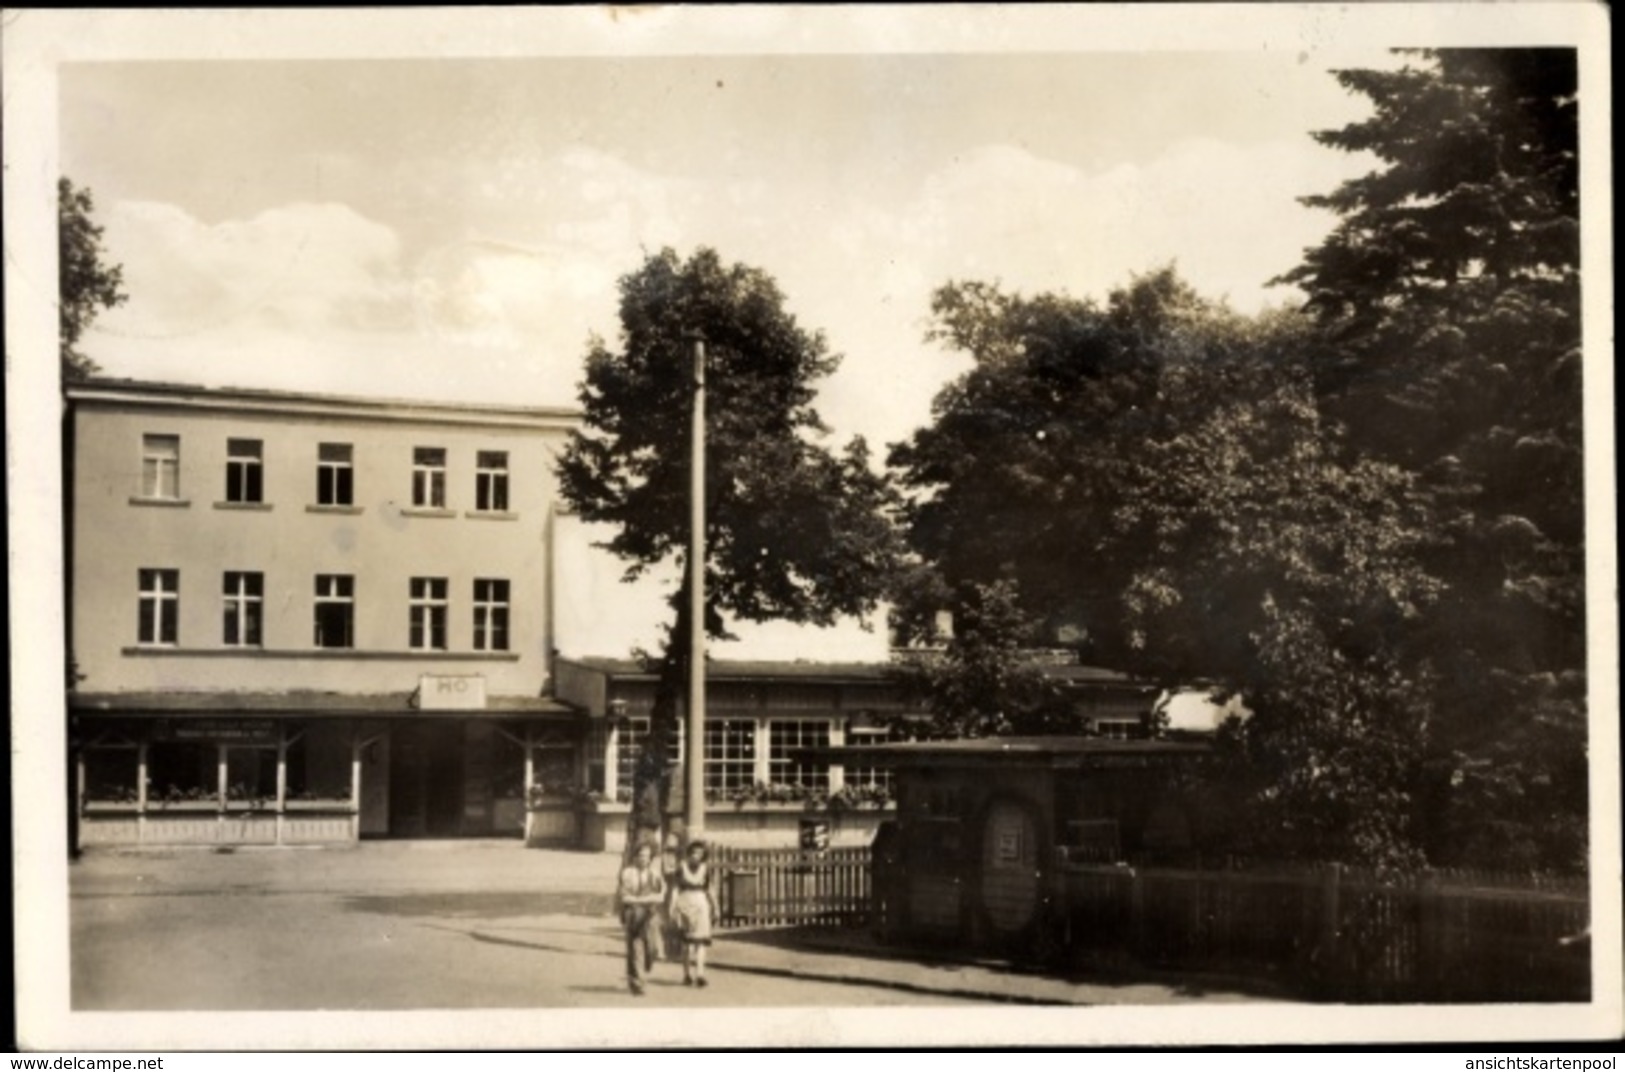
(302, 618)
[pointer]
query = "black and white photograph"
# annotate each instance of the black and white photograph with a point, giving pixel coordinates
(1069, 525)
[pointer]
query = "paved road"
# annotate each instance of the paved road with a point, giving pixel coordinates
(382, 927)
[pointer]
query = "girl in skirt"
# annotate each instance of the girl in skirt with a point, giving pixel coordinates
(693, 908)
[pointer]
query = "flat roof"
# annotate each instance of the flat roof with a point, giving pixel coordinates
(211, 703)
(809, 670)
(266, 400)
(740, 670)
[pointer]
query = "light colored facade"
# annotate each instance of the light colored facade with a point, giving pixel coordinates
(300, 618)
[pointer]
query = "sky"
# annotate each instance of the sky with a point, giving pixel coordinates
(454, 228)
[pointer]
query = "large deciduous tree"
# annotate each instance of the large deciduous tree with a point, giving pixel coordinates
(1447, 304)
(1154, 474)
(1016, 471)
(794, 530)
(86, 284)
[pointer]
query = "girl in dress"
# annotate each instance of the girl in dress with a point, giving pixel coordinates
(693, 907)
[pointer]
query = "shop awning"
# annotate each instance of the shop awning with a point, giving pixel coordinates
(211, 704)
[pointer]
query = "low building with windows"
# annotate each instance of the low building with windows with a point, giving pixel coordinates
(760, 717)
(305, 618)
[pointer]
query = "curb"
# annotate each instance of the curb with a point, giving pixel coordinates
(849, 979)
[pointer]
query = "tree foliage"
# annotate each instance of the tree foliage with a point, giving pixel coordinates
(1447, 308)
(85, 283)
(794, 530)
(981, 684)
(1289, 578)
(1017, 471)
(1155, 473)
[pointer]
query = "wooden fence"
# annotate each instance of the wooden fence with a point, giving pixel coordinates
(789, 887)
(1339, 933)
(1334, 933)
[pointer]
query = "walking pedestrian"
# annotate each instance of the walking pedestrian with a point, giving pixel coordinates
(694, 907)
(640, 893)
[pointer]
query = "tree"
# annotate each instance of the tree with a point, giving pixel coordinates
(1156, 473)
(86, 285)
(794, 530)
(982, 684)
(1447, 309)
(1029, 454)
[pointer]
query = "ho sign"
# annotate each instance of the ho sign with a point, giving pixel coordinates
(451, 692)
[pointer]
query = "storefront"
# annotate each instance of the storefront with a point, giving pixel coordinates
(288, 769)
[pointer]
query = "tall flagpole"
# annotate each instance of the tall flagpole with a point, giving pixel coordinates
(694, 749)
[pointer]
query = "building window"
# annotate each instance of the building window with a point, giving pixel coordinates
(869, 728)
(335, 610)
(110, 774)
(244, 595)
(182, 771)
(335, 484)
(244, 467)
(633, 741)
(787, 735)
(730, 755)
(161, 466)
(318, 766)
(429, 477)
(874, 779)
(251, 776)
(160, 606)
(490, 615)
(1118, 729)
(491, 480)
(428, 605)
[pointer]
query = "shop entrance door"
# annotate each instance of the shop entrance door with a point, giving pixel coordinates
(426, 780)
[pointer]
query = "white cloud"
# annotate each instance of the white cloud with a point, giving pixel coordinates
(303, 268)
(315, 297)
(1227, 216)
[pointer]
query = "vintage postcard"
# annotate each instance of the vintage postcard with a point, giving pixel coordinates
(1152, 467)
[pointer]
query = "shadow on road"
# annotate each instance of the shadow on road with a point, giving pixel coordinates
(948, 962)
(515, 943)
(600, 990)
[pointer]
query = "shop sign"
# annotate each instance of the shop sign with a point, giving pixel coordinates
(451, 692)
(233, 730)
(814, 835)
